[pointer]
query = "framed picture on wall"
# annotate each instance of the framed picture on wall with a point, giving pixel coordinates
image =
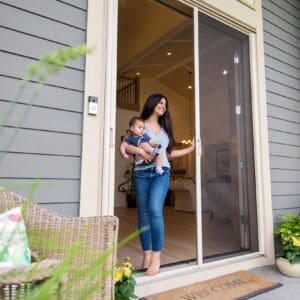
(217, 162)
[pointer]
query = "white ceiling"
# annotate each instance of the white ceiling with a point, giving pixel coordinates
(176, 70)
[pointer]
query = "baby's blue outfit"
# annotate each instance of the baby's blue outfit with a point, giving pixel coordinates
(136, 140)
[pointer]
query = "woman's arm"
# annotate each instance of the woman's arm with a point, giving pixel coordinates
(122, 149)
(138, 150)
(182, 152)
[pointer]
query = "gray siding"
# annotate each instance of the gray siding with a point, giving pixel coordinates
(48, 146)
(282, 57)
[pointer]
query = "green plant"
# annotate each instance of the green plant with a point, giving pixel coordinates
(124, 281)
(288, 233)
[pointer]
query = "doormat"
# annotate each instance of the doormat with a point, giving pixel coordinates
(239, 285)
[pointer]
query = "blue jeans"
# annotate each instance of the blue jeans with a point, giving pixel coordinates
(150, 193)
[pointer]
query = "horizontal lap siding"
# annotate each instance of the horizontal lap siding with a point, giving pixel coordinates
(32, 47)
(48, 144)
(67, 193)
(282, 59)
(44, 118)
(15, 66)
(77, 3)
(42, 142)
(40, 26)
(49, 96)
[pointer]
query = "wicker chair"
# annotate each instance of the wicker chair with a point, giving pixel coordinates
(53, 236)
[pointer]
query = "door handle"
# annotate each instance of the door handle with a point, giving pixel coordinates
(198, 147)
(240, 163)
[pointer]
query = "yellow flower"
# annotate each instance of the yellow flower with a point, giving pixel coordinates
(118, 274)
(128, 265)
(127, 272)
(296, 242)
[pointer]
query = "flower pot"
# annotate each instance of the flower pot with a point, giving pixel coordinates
(286, 268)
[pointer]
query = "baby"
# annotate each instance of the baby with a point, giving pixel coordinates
(139, 138)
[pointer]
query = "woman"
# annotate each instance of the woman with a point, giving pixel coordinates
(151, 188)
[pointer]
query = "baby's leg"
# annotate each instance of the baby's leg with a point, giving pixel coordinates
(138, 159)
(158, 164)
(147, 147)
(154, 151)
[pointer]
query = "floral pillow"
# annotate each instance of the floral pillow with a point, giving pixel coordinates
(14, 250)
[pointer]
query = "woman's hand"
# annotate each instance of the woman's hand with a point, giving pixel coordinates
(124, 155)
(182, 152)
(193, 145)
(145, 156)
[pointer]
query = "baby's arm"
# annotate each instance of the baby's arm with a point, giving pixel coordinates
(147, 140)
(140, 151)
(123, 147)
(152, 147)
(153, 144)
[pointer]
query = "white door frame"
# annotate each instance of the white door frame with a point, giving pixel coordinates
(108, 170)
(198, 146)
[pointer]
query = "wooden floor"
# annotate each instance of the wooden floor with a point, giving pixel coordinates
(180, 236)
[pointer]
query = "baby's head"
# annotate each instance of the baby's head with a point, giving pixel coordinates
(137, 126)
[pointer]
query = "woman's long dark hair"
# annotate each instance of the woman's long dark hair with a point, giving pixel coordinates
(164, 121)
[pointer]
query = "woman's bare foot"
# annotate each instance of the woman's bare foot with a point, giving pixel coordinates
(147, 259)
(155, 264)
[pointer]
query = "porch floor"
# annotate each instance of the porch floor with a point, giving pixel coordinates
(289, 290)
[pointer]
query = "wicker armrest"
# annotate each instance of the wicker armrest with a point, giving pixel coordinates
(34, 256)
(33, 272)
(18, 282)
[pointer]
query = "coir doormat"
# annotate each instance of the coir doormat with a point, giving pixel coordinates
(239, 285)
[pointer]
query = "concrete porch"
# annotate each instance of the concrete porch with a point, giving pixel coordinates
(289, 290)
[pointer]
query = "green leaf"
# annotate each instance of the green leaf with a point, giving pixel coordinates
(296, 260)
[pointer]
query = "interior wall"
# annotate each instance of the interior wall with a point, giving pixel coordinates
(178, 106)
(214, 105)
(123, 117)
(216, 197)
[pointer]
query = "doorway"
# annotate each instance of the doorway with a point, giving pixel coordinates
(216, 188)
(156, 55)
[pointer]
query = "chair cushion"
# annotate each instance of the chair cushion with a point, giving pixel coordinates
(14, 250)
